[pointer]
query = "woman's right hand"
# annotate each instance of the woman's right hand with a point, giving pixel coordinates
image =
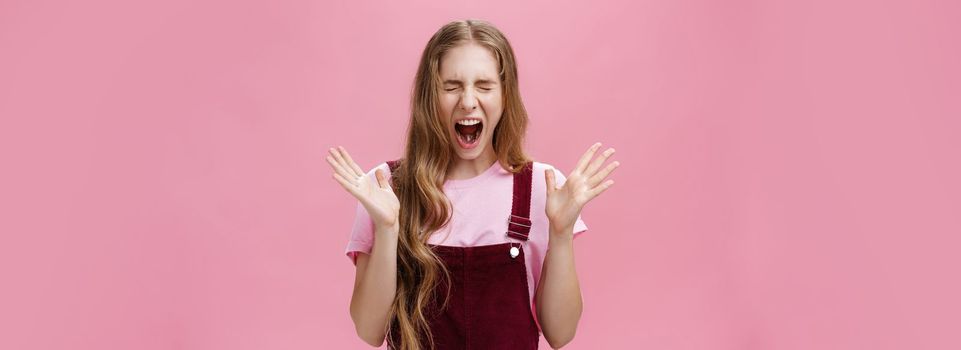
(379, 199)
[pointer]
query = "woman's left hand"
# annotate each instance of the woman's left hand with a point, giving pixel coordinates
(585, 182)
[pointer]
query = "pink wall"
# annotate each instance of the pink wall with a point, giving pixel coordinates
(788, 180)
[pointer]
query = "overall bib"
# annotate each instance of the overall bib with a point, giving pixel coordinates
(489, 305)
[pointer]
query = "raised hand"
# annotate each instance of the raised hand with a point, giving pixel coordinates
(584, 183)
(379, 199)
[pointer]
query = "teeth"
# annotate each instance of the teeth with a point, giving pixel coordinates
(468, 122)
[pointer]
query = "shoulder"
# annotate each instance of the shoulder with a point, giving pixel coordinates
(382, 166)
(539, 168)
(538, 182)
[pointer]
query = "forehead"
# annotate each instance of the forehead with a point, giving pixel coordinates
(469, 62)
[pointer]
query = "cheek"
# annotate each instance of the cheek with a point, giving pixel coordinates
(446, 104)
(494, 108)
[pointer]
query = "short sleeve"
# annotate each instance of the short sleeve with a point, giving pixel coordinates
(579, 226)
(362, 232)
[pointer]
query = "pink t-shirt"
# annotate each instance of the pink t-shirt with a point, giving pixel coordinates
(481, 206)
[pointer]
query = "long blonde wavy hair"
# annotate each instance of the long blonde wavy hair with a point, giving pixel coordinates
(418, 180)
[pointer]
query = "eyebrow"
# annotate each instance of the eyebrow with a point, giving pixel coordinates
(479, 82)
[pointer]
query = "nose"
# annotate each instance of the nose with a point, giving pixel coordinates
(468, 101)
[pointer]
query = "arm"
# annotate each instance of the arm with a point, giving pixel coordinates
(558, 296)
(375, 284)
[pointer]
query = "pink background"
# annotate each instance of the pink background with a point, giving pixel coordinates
(789, 173)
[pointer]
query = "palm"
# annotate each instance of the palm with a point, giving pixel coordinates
(375, 195)
(565, 203)
(583, 184)
(381, 203)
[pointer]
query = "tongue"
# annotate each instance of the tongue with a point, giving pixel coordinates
(467, 129)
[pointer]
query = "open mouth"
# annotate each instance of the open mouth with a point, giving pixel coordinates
(468, 132)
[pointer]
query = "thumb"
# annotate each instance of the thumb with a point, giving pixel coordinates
(381, 179)
(549, 178)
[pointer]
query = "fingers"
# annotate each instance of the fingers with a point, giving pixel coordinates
(596, 191)
(382, 179)
(344, 165)
(596, 164)
(345, 174)
(350, 161)
(549, 178)
(346, 184)
(600, 176)
(582, 164)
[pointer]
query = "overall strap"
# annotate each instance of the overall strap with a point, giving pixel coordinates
(393, 164)
(519, 223)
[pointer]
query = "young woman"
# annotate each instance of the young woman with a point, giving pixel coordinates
(457, 244)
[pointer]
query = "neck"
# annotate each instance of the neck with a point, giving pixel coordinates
(460, 168)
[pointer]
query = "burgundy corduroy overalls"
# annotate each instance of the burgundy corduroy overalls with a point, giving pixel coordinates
(489, 306)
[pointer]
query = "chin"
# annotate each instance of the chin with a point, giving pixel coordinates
(468, 154)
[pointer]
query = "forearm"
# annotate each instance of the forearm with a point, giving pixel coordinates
(558, 293)
(374, 293)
